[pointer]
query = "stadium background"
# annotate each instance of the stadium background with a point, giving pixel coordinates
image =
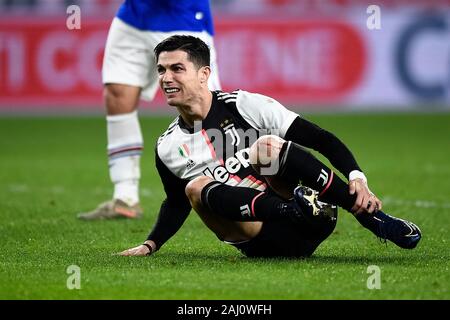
(385, 92)
(308, 54)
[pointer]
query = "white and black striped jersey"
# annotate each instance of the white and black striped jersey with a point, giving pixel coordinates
(219, 145)
(219, 148)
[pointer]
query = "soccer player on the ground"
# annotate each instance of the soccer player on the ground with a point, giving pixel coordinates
(236, 159)
(129, 73)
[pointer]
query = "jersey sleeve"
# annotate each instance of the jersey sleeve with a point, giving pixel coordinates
(174, 209)
(265, 113)
(312, 136)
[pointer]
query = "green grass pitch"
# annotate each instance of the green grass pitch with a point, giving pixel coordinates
(53, 167)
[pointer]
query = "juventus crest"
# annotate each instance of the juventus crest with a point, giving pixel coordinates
(231, 130)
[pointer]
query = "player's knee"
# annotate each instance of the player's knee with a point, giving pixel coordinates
(120, 98)
(194, 189)
(113, 91)
(265, 152)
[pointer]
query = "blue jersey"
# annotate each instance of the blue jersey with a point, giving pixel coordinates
(167, 15)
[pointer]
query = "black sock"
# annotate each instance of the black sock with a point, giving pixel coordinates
(241, 204)
(299, 165)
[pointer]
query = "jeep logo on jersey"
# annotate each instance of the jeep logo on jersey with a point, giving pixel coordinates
(232, 165)
(231, 130)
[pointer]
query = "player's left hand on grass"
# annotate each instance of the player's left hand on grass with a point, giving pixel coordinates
(139, 251)
(365, 201)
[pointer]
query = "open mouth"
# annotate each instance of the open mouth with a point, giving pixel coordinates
(171, 90)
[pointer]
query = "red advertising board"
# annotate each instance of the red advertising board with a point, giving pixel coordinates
(42, 63)
(308, 61)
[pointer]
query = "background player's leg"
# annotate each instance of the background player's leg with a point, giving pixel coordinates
(125, 142)
(125, 145)
(127, 67)
(213, 81)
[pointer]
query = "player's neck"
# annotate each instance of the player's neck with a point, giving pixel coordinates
(196, 111)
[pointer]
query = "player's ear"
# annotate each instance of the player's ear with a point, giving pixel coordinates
(205, 72)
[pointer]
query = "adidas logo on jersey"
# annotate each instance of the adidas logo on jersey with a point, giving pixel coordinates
(190, 164)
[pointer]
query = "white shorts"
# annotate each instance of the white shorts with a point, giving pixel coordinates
(129, 57)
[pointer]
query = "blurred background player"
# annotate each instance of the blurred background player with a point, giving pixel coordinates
(129, 73)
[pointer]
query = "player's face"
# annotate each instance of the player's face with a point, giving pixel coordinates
(180, 80)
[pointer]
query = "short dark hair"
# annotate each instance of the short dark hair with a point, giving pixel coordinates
(196, 49)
